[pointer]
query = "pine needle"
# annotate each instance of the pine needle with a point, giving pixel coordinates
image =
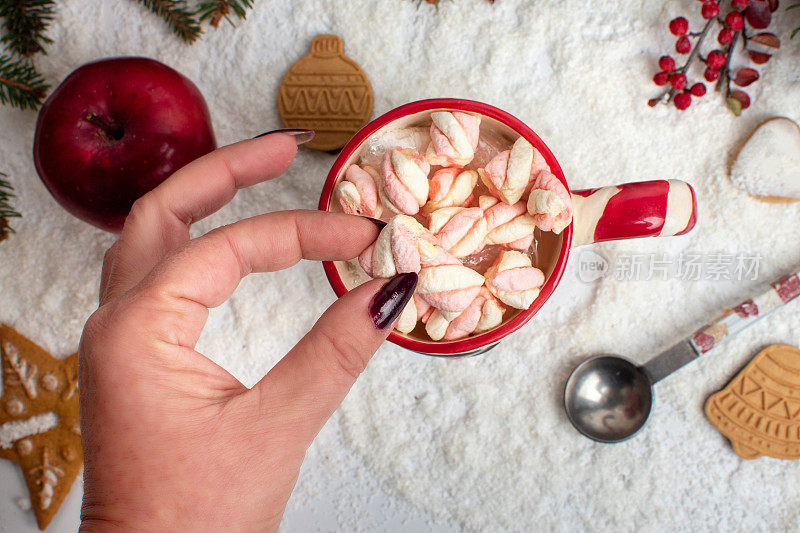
(215, 10)
(20, 85)
(25, 24)
(177, 16)
(6, 211)
(796, 30)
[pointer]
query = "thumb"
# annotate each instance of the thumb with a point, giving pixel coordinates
(309, 383)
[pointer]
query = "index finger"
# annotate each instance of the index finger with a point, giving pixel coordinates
(159, 221)
(205, 272)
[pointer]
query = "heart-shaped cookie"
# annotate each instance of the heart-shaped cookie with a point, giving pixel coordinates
(767, 164)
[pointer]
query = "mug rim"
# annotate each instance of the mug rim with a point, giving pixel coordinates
(460, 346)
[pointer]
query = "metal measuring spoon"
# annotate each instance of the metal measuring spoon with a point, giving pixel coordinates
(608, 398)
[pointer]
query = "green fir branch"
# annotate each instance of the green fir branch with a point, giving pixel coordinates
(178, 17)
(25, 22)
(6, 211)
(796, 30)
(215, 10)
(20, 84)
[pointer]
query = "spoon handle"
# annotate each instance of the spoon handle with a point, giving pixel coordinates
(727, 324)
(669, 361)
(732, 321)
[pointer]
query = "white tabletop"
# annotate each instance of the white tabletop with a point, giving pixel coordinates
(424, 443)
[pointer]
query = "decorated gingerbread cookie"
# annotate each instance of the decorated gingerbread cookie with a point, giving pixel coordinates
(327, 92)
(39, 422)
(759, 411)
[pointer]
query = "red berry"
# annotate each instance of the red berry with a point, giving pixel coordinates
(715, 59)
(710, 9)
(698, 89)
(678, 81)
(683, 46)
(661, 78)
(734, 21)
(678, 26)
(725, 36)
(682, 100)
(711, 74)
(739, 4)
(666, 63)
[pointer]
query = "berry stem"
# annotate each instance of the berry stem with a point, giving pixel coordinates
(667, 96)
(696, 47)
(725, 73)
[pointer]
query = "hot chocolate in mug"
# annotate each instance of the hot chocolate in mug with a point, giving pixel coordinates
(630, 210)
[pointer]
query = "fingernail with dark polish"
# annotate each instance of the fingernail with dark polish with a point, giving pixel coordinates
(300, 135)
(380, 223)
(390, 301)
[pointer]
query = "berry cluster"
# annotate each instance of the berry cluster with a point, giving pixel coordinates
(677, 80)
(740, 18)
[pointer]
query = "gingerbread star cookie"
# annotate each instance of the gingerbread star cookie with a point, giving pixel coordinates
(39, 422)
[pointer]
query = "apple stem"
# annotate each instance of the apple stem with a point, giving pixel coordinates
(112, 131)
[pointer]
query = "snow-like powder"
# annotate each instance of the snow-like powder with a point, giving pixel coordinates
(479, 444)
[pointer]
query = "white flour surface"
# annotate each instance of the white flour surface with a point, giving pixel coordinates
(483, 443)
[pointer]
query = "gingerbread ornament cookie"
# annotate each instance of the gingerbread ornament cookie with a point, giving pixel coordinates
(39, 422)
(327, 92)
(759, 410)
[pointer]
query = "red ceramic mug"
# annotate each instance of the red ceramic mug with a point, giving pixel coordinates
(642, 209)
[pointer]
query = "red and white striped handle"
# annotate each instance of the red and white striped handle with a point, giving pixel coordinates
(643, 209)
(779, 293)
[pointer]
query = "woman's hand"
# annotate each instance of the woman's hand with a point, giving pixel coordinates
(171, 440)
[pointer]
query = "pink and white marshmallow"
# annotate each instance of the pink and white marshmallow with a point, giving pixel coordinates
(549, 203)
(448, 285)
(416, 310)
(454, 138)
(508, 174)
(482, 314)
(403, 245)
(508, 225)
(461, 231)
(450, 187)
(357, 192)
(514, 280)
(404, 181)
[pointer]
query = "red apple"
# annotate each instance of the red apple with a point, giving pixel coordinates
(113, 130)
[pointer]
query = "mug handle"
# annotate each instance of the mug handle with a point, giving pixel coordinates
(655, 208)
